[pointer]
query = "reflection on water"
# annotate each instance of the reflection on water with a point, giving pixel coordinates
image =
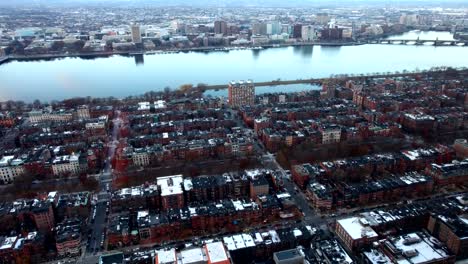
(304, 51)
(255, 54)
(330, 50)
(139, 59)
(97, 76)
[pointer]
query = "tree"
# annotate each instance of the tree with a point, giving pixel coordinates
(37, 104)
(185, 88)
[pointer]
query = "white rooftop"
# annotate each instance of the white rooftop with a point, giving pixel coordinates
(8, 243)
(194, 255)
(216, 252)
(357, 228)
(377, 257)
(170, 185)
(417, 249)
(6, 160)
(166, 256)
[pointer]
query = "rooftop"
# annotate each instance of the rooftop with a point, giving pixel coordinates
(166, 256)
(170, 185)
(216, 252)
(288, 254)
(416, 248)
(357, 227)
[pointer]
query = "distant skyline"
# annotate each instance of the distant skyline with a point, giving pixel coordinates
(233, 3)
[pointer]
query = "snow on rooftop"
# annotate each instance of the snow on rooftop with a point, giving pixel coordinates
(297, 232)
(188, 185)
(356, 228)
(417, 249)
(142, 214)
(6, 160)
(377, 257)
(283, 195)
(8, 242)
(238, 205)
(170, 185)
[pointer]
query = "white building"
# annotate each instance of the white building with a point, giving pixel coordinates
(83, 112)
(140, 157)
(46, 116)
(10, 169)
(259, 39)
(355, 232)
(331, 135)
(66, 164)
(409, 19)
(308, 33)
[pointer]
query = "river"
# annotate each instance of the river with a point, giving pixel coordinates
(120, 76)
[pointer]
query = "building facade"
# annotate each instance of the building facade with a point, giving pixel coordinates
(136, 34)
(241, 93)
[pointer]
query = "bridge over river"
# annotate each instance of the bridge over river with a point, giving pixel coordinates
(420, 42)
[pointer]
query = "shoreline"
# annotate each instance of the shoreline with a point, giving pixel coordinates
(312, 81)
(170, 51)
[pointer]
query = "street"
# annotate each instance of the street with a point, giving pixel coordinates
(101, 209)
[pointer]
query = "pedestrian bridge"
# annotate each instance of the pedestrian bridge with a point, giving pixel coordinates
(420, 42)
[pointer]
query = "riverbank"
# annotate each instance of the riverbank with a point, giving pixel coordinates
(320, 81)
(122, 76)
(170, 51)
(4, 59)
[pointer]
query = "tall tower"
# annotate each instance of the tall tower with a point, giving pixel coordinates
(220, 27)
(136, 34)
(241, 93)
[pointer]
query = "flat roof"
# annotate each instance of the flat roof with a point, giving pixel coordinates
(216, 252)
(5, 160)
(194, 255)
(417, 249)
(357, 227)
(166, 256)
(288, 254)
(170, 185)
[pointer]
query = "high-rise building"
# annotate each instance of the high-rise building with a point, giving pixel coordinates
(136, 34)
(273, 28)
(220, 27)
(241, 93)
(308, 33)
(259, 29)
(297, 31)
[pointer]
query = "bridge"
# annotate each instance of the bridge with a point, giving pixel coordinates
(420, 42)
